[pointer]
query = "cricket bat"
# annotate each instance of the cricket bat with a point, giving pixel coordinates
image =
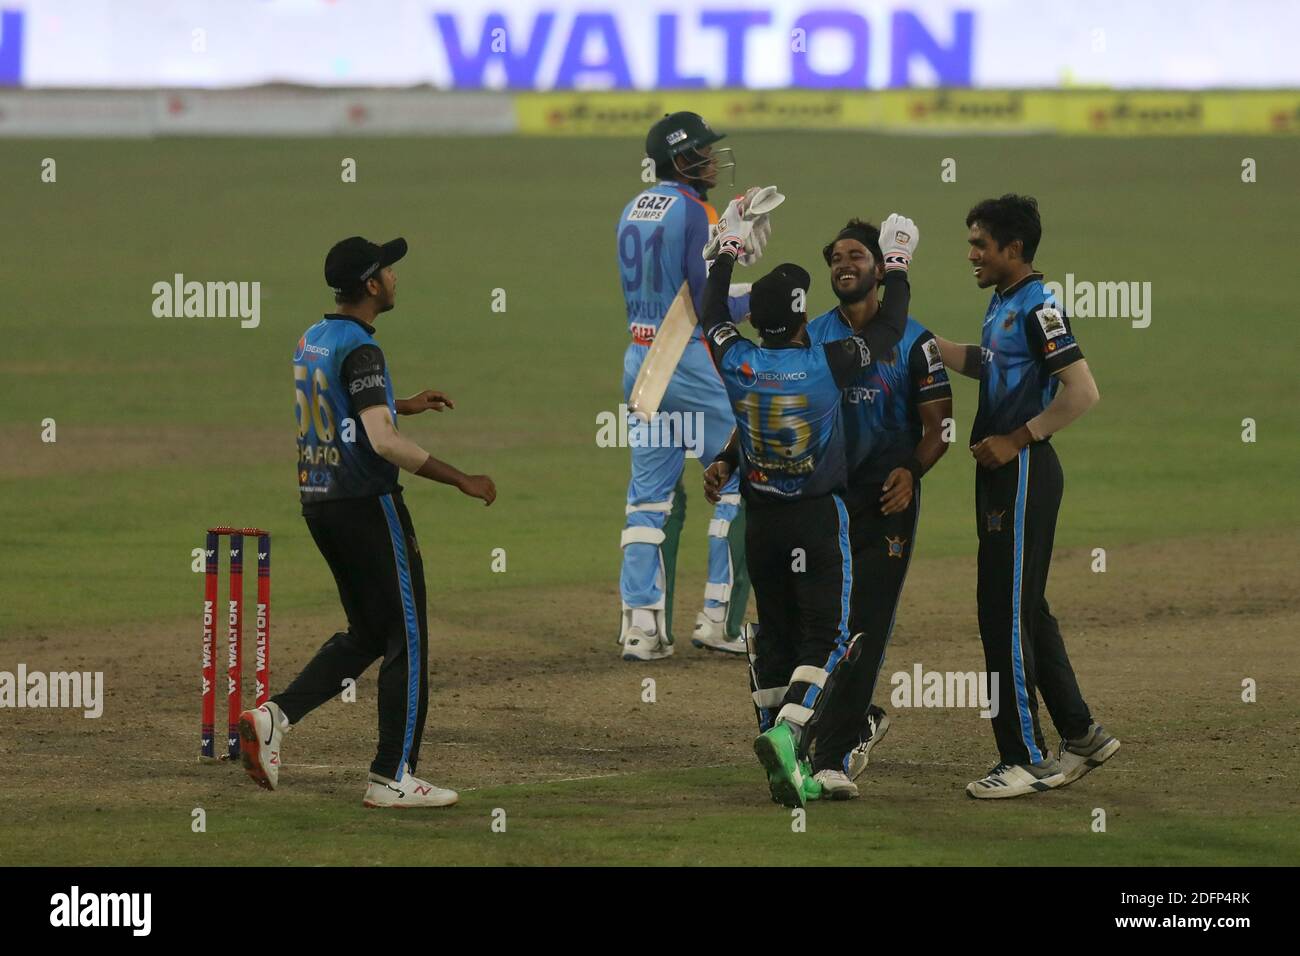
(661, 361)
(679, 325)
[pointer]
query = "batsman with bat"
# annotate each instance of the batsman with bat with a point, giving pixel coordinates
(787, 394)
(668, 378)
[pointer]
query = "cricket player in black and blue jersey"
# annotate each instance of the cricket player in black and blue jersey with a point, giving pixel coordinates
(349, 456)
(894, 414)
(1034, 381)
(786, 394)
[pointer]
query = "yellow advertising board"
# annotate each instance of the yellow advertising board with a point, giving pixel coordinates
(1074, 112)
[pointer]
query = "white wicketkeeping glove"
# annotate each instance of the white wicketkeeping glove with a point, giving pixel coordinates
(746, 222)
(732, 232)
(898, 238)
(757, 241)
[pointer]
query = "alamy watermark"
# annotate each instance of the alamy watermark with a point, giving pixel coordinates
(622, 429)
(84, 691)
(1085, 299)
(209, 300)
(922, 688)
(75, 908)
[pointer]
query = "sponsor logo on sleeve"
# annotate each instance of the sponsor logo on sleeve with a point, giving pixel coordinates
(1051, 321)
(723, 334)
(366, 381)
(933, 359)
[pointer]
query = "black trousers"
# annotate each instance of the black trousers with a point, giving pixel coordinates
(1016, 507)
(882, 553)
(370, 547)
(801, 568)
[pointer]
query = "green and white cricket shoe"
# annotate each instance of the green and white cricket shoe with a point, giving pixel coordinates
(640, 646)
(835, 785)
(776, 751)
(409, 793)
(1082, 756)
(711, 635)
(812, 790)
(260, 734)
(1013, 780)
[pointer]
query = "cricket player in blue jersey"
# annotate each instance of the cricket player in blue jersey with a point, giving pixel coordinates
(787, 395)
(349, 456)
(660, 237)
(1034, 381)
(894, 415)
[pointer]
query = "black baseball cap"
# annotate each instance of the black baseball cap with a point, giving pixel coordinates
(354, 260)
(772, 301)
(676, 133)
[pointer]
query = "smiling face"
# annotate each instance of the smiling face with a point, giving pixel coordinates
(993, 264)
(854, 270)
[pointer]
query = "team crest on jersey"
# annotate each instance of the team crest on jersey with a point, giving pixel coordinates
(1051, 320)
(1009, 321)
(895, 546)
(651, 207)
(994, 520)
(932, 356)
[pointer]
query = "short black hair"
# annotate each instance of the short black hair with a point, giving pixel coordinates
(861, 230)
(351, 295)
(1009, 218)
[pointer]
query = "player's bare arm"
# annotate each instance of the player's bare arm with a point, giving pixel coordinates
(393, 446)
(1077, 394)
(428, 400)
(964, 359)
(899, 485)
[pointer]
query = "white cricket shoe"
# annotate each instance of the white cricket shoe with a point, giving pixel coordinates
(640, 646)
(1087, 754)
(874, 729)
(712, 635)
(1013, 780)
(260, 733)
(410, 792)
(836, 785)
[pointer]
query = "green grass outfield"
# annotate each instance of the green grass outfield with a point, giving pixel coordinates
(710, 820)
(114, 519)
(165, 426)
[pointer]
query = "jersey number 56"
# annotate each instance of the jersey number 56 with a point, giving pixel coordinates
(312, 410)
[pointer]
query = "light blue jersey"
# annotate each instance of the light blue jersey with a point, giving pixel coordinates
(661, 235)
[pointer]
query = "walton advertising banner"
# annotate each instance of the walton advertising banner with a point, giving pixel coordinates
(586, 45)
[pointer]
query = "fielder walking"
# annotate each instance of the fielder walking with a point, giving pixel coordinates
(349, 455)
(1034, 381)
